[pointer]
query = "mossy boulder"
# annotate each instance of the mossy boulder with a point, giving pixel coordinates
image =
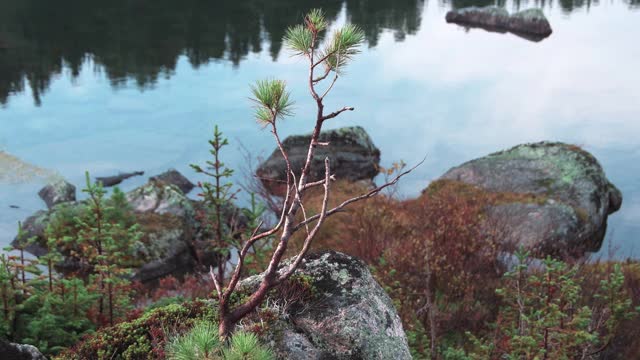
(331, 308)
(350, 316)
(351, 151)
(530, 22)
(56, 192)
(565, 196)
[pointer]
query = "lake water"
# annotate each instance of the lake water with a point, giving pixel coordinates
(109, 86)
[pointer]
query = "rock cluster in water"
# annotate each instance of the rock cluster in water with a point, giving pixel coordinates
(531, 22)
(172, 233)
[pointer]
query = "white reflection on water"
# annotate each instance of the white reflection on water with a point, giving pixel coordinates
(451, 94)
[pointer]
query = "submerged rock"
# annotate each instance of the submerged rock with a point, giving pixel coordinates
(530, 22)
(56, 192)
(572, 196)
(351, 317)
(353, 157)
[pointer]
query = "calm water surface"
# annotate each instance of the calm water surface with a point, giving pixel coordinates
(109, 86)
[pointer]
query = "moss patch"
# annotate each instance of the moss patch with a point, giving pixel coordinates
(144, 337)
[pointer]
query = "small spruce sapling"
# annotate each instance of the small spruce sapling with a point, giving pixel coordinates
(217, 195)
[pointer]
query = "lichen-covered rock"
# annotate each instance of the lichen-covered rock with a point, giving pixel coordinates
(160, 198)
(573, 196)
(352, 154)
(350, 318)
(56, 192)
(530, 21)
(174, 177)
(11, 351)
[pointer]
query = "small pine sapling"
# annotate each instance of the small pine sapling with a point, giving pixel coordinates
(272, 105)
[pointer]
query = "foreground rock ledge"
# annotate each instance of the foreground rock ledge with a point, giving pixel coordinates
(353, 318)
(349, 316)
(530, 22)
(570, 200)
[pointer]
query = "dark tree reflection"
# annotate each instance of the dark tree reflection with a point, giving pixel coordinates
(141, 40)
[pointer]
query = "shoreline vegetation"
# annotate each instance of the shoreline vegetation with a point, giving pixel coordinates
(447, 277)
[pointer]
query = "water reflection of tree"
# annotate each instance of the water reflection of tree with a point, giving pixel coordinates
(401, 16)
(140, 41)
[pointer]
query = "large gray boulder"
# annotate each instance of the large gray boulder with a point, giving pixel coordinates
(57, 192)
(571, 201)
(350, 317)
(353, 157)
(528, 22)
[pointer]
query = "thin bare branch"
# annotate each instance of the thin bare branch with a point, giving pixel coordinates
(326, 73)
(358, 198)
(336, 113)
(307, 241)
(216, 282)
(318, 183)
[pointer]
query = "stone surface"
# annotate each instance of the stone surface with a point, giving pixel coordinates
(577, 196)
(350, 318)
(352, 154)
(174, 177)
(56, 192)
(530, 22)
(160, 198)
(11, 351)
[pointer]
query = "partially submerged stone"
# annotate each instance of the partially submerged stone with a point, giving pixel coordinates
(351, 151)
(56, 192)
(531, 22)
(174, 177)
(571, 196)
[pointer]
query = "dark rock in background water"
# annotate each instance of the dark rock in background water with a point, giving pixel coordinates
(574, 196)
(173, 177)
(108, 181)
(353, 157)
(56, 192)
(531, 22)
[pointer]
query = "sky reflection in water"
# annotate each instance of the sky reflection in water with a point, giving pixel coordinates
(451, 93)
